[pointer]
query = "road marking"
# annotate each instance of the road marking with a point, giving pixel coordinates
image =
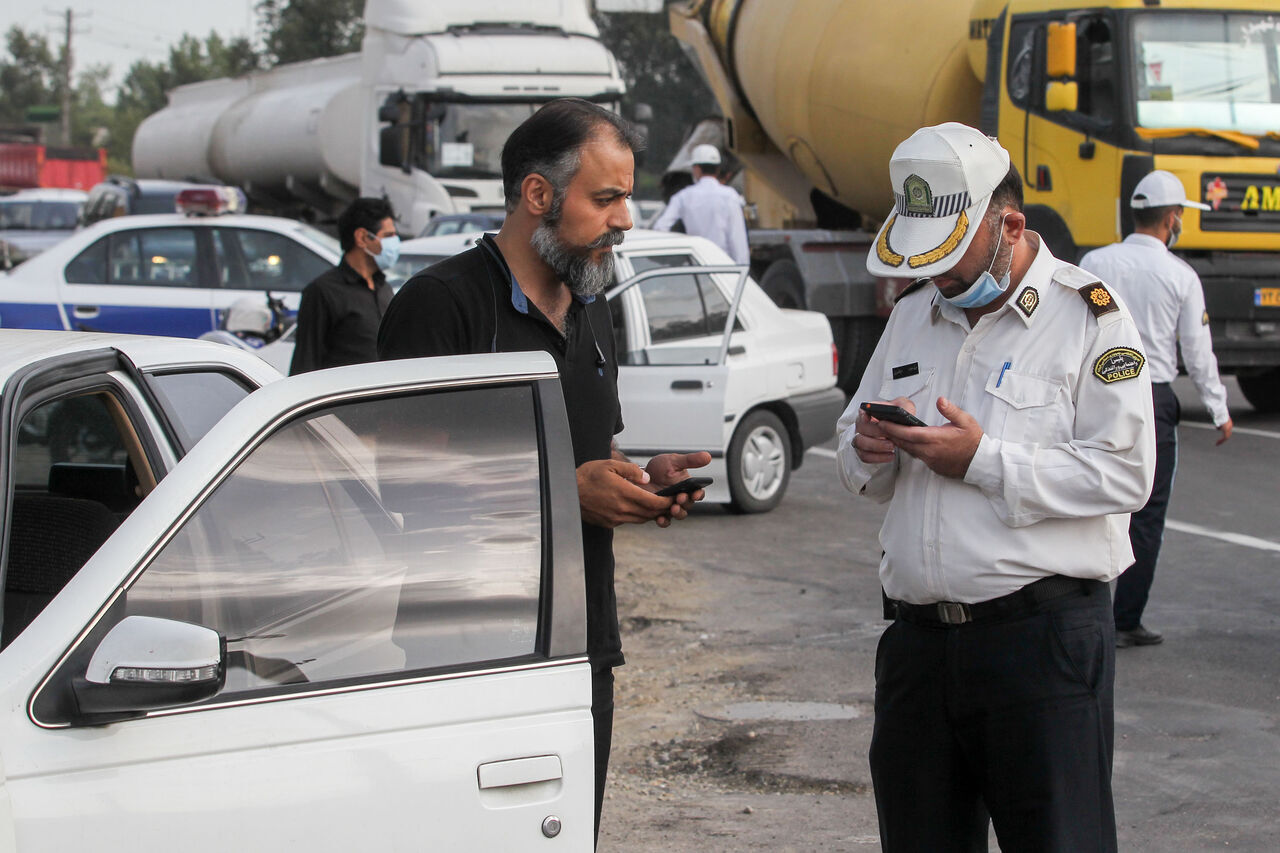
(1261, 433)
(822, 451)
(1233, 538)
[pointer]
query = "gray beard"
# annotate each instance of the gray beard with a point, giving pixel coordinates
(584, 276)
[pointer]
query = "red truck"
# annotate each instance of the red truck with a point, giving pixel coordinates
(27, 165)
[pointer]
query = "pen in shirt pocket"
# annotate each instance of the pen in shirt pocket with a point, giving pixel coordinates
(1000, 378)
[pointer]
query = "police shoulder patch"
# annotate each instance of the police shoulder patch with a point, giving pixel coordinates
(1118, 363)
(1098, 298)
(1204, 319)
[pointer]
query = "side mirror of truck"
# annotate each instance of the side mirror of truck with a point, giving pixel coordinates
(1060, 50)
(1062, 97)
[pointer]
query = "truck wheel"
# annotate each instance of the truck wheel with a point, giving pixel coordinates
(1262, 390)
(784, 285)
(856, 339)
(759, 463)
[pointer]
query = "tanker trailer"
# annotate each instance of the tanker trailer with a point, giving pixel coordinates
(1087, 99)
(419, 115)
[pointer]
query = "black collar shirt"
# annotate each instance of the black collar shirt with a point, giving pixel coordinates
(338, 320)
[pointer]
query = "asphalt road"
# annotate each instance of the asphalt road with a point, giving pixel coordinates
(744, 711)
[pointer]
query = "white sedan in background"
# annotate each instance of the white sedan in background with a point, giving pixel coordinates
(290, 618)
(756, 399)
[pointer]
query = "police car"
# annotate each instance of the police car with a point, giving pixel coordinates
(756, 398)
(164, 274)
(339, 612)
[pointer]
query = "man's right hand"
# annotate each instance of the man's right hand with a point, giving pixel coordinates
(869, 440)
(610, 494)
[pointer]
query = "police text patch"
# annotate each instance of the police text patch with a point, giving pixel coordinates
(904, 370)
(1098, 298)
(1118, 363)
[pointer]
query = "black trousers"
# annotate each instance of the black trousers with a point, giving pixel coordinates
(1010, 719)
(602, 719)
(1146, 526)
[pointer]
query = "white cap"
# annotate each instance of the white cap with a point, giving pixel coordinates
(943, 177)
(1161, 189)
(705, 155)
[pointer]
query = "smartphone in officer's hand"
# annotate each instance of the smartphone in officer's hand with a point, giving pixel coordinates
(685, 486)
(893, 414)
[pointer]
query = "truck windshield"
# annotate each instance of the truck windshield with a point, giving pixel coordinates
(466, 141)
(1210, 71)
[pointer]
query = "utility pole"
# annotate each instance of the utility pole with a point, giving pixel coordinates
(66, 84)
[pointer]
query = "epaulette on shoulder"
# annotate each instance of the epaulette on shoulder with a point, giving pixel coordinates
(1098, 298)
(910, 289)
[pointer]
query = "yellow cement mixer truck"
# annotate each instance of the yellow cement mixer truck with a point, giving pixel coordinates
(1087, 99)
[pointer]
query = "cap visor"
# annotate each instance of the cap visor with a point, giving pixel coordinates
(1197, 205)
(920, 247)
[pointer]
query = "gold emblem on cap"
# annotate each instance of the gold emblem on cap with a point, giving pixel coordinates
(887, 255)
(1028, 300)
(918, 195)
(945, 248)
(1099, 296)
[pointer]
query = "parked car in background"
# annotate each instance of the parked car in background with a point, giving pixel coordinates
(123, 196)
(757, 400)
(225, 605)
(33, 220)
(462, 223)
(164, 274)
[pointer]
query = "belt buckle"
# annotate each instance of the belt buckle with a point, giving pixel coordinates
(953, 612)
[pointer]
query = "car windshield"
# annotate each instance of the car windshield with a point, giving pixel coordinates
(1211, 71)
(466, 140)
(38, 215)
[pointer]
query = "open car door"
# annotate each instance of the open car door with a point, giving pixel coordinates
(351, 617)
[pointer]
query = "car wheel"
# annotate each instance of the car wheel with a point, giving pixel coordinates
(1262, 390)
(759, 463)
(784, 285)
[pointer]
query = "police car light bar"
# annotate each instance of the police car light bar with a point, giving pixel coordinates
(210, 201)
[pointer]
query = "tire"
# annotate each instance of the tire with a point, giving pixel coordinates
(1262, 390)
(856, 339)
(759, 463)
(784, 285)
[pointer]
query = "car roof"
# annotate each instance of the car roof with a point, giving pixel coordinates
(47, 194)
(21, 347)
(636, 238)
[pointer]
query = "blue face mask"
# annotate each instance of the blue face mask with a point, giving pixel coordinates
(985, 289)
(386, 259)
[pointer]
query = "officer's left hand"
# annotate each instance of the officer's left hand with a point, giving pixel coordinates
(666, 469)
(1225, 430)
(948, 449)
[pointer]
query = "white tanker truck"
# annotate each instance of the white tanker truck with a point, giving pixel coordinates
(419, 115)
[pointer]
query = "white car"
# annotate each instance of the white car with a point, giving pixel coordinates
(756, 402)
(33, 220)
(162, 274)
(344, 611)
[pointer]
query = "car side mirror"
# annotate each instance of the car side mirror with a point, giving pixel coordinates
(148, 664)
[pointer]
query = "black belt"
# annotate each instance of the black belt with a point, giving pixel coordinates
(1013, 605)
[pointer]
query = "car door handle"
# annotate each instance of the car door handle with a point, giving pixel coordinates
(686, 385)
(737, 350)
(87, 312)
(519, 771)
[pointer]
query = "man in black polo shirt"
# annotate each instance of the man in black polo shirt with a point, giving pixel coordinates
(340, 311)
(567, 173)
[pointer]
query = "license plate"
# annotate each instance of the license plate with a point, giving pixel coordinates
(1266, 297)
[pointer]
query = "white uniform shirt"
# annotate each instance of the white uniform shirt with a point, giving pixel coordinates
(709, 209)
(1064, 458)
(1166, 300)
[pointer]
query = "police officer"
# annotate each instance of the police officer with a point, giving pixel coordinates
(1164, 296)
(1007, 512)
(708, 208)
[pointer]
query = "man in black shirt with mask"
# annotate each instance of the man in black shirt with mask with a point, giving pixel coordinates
(567, 173)
(340, 311)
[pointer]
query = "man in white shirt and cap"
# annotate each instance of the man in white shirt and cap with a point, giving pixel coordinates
(1008, 512)
(708, 208)
(1164, 295)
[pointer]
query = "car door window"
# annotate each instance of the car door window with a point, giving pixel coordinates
(364, 540)
(270, 261)
(90, 266)
(194, 401)
(74, 478)
(163, 257)
(644, 263)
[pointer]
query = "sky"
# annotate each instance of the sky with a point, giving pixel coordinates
(118, 33)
